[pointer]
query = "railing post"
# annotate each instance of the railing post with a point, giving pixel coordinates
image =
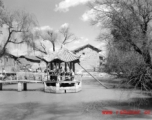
(44, 85)
(25, 86)
(20, 86)
(1, 86)
(76, 87)
(57, 87)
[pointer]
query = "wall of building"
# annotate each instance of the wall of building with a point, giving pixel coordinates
(89, 59)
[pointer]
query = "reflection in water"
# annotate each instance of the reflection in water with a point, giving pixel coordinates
(35, 104)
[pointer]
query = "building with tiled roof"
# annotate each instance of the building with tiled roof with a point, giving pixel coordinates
(89, 57)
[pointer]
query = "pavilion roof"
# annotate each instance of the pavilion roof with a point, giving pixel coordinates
(63, 55)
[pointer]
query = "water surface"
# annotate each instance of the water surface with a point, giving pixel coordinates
(35, 104)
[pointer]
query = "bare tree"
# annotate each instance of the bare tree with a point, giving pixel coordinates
(41, 35)
(129, 22)
(66, 35)
(48, 34)
(17, 22)
(32, 40)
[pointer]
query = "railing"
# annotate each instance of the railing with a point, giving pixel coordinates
(63, 81)
(22, 76)
(30, 76)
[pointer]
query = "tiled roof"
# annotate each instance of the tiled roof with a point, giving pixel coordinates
(64, 55)
(67, 56)
(85, 46)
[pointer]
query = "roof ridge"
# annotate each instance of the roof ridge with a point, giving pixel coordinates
(84, 46)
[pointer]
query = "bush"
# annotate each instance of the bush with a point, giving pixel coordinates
(124, 62)
(132, 67)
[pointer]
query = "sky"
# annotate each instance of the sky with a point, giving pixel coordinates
(55, 13)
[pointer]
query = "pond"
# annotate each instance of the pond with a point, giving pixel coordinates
(35, 104)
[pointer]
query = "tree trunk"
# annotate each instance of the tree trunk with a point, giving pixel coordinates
(147, 57)
(145, 49)
(144, 52)
(53, 44)
(2, 52)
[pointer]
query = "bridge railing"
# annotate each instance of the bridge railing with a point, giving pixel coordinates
(23, 76)
(31, 76)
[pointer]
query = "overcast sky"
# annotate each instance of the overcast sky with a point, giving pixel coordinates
(55, 13)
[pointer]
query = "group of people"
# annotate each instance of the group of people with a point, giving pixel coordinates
(60, 74)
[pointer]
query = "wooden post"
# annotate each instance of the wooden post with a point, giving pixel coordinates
(44, 85)
(25, 86)
(59, 65)
(47, 70)
(65, 66)
(20, 86)
(70, 65)
(74, 67)
(1, 86)
(51, 66)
